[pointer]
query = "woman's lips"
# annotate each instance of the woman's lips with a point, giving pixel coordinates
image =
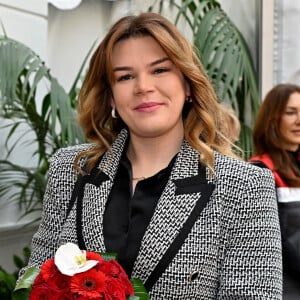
(148, 106)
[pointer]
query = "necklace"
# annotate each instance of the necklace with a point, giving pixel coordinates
(139, 178)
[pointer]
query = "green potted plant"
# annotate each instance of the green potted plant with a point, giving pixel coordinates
(49, 120)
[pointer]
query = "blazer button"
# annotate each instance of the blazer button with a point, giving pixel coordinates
(193, 276)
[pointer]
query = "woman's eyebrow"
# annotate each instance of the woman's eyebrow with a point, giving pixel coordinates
(291, 107)
(127, 68)
(158, 61)
(123, 68)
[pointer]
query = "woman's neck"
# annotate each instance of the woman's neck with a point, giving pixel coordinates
(150, 155)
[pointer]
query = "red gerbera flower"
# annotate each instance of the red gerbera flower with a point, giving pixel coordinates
(90, 284)
(114, 269)
(114, 289)
(124, 278)
(62, 296)
(54, 278)
(39, 279)
(94, 256)
(109, 268)
(48, 269)
(41, 292)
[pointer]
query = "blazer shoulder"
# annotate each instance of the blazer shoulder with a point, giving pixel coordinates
(228, 166)
(68, 154)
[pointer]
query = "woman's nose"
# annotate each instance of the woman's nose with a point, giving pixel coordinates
(143, 84)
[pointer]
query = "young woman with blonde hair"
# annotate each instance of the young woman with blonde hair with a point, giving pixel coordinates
(158, 183)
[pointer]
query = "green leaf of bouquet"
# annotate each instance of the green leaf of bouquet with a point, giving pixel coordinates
(22, 294)
(140, 292)
(27, 279)
(133, 298)
(108, 255)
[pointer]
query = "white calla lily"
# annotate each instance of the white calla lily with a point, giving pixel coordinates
(70, 260)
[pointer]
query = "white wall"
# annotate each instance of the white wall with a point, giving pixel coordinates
(26, 21)
(71, 34)
(287, 42)
(267, 47)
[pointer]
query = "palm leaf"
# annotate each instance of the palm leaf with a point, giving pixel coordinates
(23, 185)
(48, 121)
(140, 292)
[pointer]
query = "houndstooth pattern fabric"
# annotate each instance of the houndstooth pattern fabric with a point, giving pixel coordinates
(233, 251)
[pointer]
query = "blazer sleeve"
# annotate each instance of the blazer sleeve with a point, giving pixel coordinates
(252, 264)
(61, 180)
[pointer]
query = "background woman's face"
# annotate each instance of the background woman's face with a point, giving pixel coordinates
(290, 123)
(149, 91)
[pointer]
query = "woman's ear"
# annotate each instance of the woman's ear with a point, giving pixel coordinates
(113, 109)
(187, 88)
(112, 102)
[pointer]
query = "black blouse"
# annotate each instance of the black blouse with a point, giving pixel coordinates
(127, 215)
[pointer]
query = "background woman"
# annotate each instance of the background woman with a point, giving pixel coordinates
(159, 185)
(276, 146)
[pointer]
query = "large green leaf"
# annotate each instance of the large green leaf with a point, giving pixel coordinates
(37, 111)
(140, 292)
(14, 59)
(23, 287)
(26, 281)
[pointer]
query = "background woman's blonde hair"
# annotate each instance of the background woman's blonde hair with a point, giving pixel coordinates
(201, 117)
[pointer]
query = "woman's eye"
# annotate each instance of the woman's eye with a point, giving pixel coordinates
(290, 113)
(124, 77)
(160, 70)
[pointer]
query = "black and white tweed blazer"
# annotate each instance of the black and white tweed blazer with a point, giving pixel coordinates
(233, 250)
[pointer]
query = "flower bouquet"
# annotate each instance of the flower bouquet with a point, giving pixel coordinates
(81, 275)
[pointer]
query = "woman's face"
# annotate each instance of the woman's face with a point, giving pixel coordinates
(149, 91)
(290, 123)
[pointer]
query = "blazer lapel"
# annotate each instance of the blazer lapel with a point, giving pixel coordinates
(96, 190)
(186, 189)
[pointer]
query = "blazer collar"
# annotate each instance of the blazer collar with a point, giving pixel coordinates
(186, 164)
(110, 161)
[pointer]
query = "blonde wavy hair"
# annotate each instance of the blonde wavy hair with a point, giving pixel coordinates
(202, 117)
